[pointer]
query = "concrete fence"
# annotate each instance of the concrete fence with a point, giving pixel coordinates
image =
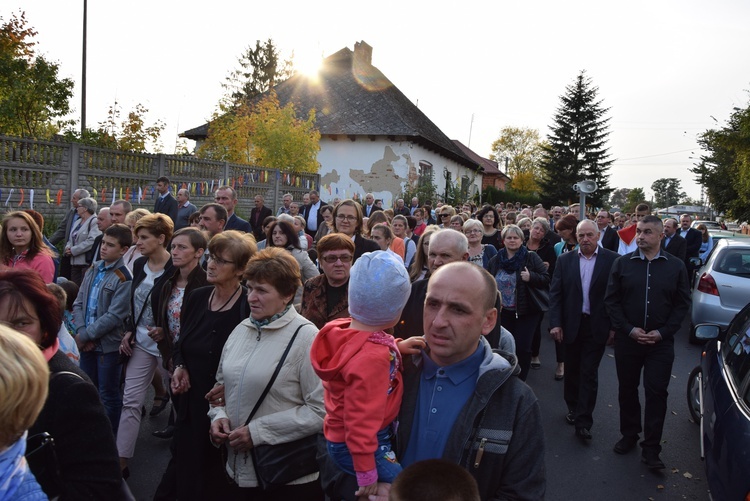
(46, 173)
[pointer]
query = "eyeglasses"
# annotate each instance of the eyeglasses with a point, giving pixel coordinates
(444, 215)
(473, 232)
(343, 217)
(218, 260)
(332, 259)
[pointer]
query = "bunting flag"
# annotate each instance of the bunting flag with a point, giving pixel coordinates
(96, 194)
(120, 192)
(59, 196)
(127, 193)
(48, 199)
(140, 194)
(104, 195)
(212, 186)
(7, 201)
(114, 190)
(31, 199)
(22, 197)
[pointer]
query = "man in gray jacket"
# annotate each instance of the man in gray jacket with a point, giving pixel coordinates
(99, 314)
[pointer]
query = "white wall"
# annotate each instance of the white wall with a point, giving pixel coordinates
(381, 167)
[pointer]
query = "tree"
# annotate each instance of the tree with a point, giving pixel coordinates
(259, 71)
(635, 197)
(619, 197)
(523, 150)
(667, 191)
(577, 146)
(31, 93)
(725, 170)
(130, 134)
(264, 134)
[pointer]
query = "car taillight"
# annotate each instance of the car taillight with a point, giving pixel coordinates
(707, 284)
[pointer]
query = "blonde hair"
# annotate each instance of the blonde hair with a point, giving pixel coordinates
(24, 380)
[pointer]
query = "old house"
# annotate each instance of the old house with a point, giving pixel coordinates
(373, 138)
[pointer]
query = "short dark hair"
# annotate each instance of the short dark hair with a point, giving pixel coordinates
(642, 207)
(652, 220)
(197, 237)
(127, 206)
(291, 236)
(157, 224)
(221, 211)
(121, 233)
(488, 208)
(334, 241)
(163, 179)
(194, 217)
(434, 479)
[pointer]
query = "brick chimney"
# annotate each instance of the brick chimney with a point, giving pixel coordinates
(363, 53)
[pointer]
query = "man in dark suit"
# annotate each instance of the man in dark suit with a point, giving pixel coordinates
(165, 203)
(311, 212)
(672, 241)
(693, 240)
(608, 238)
(401, 208)
(62, 234)
(257, 215)
(227, 197)
(369, 206)
(579, 319)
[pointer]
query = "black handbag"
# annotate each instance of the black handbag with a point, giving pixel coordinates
(277, 465)
(540, 298)
(42, 460)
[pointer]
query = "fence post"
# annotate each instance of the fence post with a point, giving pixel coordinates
(276, 184)
(75, 157)
(226, 175)
(161, 165)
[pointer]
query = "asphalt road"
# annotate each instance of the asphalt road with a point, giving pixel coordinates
(575, 471)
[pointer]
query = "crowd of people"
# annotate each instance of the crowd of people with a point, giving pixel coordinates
(311, 331)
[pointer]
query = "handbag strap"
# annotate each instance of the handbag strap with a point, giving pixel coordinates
(275, 373)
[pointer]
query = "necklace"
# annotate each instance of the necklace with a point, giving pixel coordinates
(210, 300)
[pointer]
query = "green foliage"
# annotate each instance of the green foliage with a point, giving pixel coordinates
(492, 195)
(425, 189)
(725, 170)
(264, 134)
(259, 71)
(32, 95)
(576, 148)
(131, 134)
(619, 197)
(635, 197)
(667, 192)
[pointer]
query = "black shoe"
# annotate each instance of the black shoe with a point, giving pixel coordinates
(583, 433)
(651, 459)
(125, 473)
(626, 444)
(570, 418)
(167, 432)
(156, 410)
(143, 410)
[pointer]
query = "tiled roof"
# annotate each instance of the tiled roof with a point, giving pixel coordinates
(353, 98)
(489, 166)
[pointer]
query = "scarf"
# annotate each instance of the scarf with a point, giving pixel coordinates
(262, 323)
(515, 263)
(13, 468)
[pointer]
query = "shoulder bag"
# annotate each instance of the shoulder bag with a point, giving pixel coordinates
(277, 465)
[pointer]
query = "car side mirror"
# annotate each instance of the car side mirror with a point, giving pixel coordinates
(696, 261)
(706, 332)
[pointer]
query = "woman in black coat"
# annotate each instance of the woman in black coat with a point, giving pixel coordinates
(517, 271)
(72, 414)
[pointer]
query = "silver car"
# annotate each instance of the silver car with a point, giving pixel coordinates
(722, 284)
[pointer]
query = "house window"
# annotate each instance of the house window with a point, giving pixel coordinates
(425, 172)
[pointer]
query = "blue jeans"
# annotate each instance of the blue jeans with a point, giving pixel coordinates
(385, 459)
(105, 372)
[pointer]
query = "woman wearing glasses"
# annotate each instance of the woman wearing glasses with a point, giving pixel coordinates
(282, 235)
(445, 214)
(491, 226)
(347, 219)
(324, 297)
(479, 253)
(210, 314)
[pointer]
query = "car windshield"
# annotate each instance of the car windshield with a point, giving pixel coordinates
(734, 262)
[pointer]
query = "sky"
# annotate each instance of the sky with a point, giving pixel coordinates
(667, 70)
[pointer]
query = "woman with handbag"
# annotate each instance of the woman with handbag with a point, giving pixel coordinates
(523, 282)
(210, 314)
(73, 414)
(22, 246)
(274, 400)
(150, 272)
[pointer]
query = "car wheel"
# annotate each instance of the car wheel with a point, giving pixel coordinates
(693, 394)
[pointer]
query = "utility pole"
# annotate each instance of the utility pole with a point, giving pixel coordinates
(83, 70)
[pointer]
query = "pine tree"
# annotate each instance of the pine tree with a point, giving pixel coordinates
(576, 147)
